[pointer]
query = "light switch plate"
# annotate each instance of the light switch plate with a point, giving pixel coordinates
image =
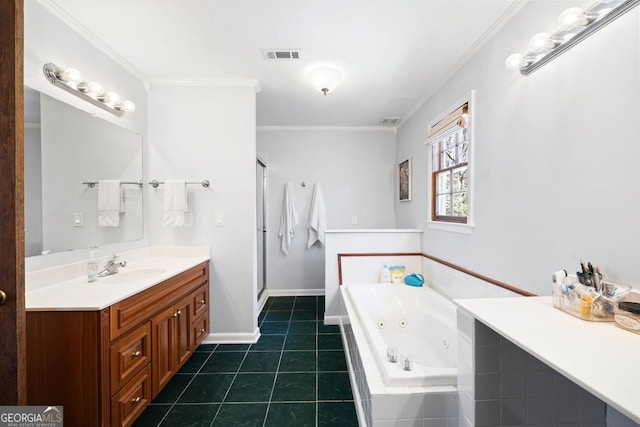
(78, 219)
(354, 219)
(219, 219)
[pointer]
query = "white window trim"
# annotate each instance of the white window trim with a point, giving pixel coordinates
(453, 226)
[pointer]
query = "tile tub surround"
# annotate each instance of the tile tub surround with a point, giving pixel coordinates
(295, 375)
(501, 382)
(382, 406)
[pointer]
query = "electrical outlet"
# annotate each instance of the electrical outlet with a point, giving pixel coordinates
(354, 219)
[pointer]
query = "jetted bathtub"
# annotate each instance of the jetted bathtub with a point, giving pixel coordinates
(417, 321)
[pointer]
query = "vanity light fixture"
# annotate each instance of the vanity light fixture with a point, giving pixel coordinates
(71, 81)
(573, 26)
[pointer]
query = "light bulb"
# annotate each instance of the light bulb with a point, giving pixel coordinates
(126, 105)
(70, 75)
(90, 88)
(539, 42)
(513, 61)
(325, 79)
(95, 88)
(112, 98)
(572, 17)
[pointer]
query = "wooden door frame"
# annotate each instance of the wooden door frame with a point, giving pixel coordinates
(12, 313)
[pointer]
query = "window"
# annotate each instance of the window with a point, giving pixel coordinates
(448, 142)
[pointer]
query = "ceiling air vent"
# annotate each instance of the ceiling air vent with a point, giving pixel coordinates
(390, 121)
(281, 54)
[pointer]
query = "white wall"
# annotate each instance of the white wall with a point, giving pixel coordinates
(355, 168)
(209, 132)
(555, 179)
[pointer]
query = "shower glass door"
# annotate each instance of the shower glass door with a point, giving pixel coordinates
(261, 193)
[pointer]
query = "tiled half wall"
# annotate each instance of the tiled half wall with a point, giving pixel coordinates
(499, 384)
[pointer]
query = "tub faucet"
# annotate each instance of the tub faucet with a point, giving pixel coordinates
(112, 266)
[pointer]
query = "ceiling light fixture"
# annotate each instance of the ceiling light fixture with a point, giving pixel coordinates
(574, 25)
(71, 81)
(325, 79)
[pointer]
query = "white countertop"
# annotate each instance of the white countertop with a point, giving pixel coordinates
(76, 294)
(598, 356)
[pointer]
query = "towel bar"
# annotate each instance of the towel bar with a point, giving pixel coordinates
(205, 183)
(91, 183)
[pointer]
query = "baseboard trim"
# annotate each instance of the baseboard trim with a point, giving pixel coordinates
(263, 300)
(233, 338)
(293, 292)
(332, 320)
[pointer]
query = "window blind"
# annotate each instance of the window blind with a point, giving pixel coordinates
(456, 119)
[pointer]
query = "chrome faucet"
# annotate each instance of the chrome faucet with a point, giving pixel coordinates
(112, 266)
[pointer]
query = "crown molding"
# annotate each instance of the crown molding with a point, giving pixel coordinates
(391, 129)
(497, 25)
(166, 81)
(91, 38)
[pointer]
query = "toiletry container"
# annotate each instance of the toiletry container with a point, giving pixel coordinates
(627, 316)
(385, 275)
(557, 279)
(397, 273)
(92, 267)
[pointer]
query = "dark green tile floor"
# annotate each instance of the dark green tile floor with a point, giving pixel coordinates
(295, 375)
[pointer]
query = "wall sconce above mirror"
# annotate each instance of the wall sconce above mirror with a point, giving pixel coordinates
(70, 80)
(574, 25)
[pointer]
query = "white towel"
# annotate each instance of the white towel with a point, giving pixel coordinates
(289, 218)
(110, 203)
(175, 203)
(317, 223)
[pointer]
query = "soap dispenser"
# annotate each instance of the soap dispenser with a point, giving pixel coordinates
(92, 267)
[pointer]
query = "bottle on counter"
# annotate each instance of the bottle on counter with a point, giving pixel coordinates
(92, 267)
(385, 274)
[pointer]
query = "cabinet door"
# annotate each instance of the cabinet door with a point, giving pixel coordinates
(182, 333)
(163, 365)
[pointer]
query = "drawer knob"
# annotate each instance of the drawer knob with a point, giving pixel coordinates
(202, 330)
(136, 400)
(136, 354)
(174, 315)
(202, 301)
(179, 312)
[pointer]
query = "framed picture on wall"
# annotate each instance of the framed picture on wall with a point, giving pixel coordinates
(404, 180)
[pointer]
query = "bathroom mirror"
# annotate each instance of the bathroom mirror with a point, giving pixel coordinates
(64, 147)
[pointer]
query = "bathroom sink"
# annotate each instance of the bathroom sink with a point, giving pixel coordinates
(127, 276)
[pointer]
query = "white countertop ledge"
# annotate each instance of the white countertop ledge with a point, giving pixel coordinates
(375, 230)
(598, 356)
(68, 290)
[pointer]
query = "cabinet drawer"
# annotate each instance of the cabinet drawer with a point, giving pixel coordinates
(130, 355)
(199, 330)
(132, 399)
(199, 301)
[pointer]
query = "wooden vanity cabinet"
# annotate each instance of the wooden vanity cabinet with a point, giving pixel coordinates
(105, 367)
